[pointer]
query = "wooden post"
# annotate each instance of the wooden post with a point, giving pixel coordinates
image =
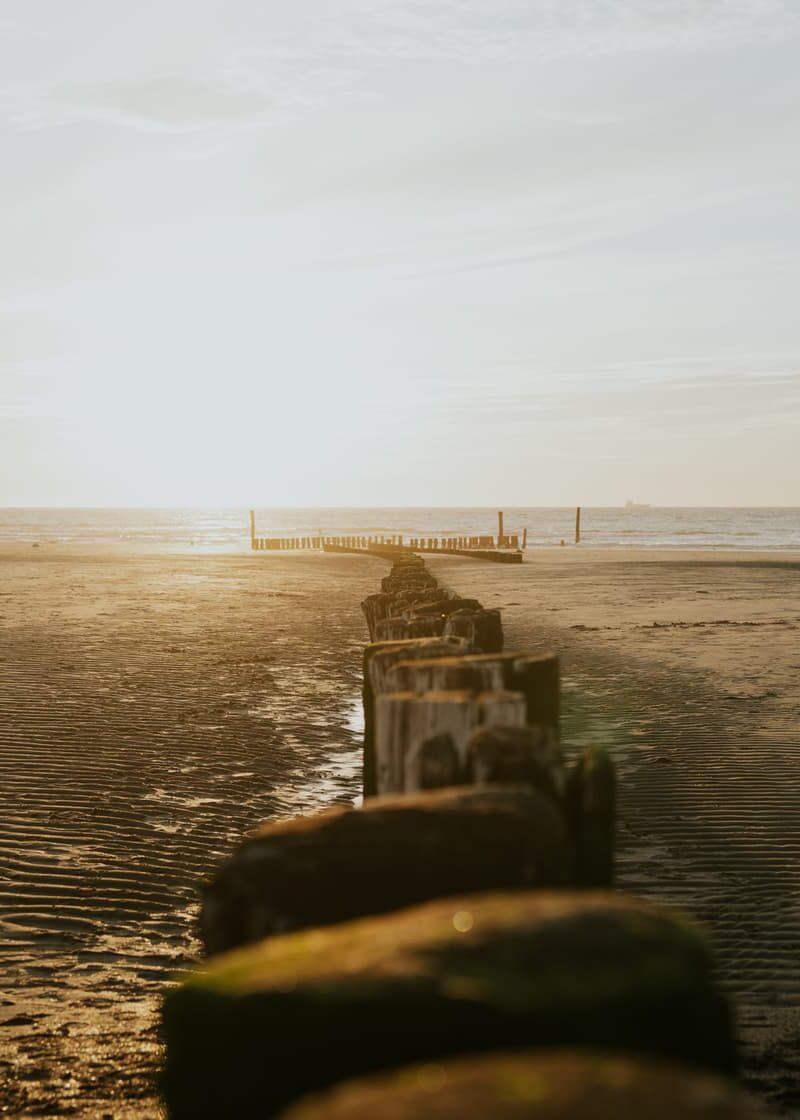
(475, 673)
(524, 754)
(252, 528)
(483, 629)
(434, 765)
(591, 805)
(405, 721)
(524, 539)
(499, 709)
(402, 850)
(378, 659)
(538, 676)
(500, 540)
(578, 525)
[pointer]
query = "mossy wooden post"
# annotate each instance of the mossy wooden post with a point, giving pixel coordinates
(250, 1031)
(347, 863)
(556, 1084)
(591, 815)
(578, 525)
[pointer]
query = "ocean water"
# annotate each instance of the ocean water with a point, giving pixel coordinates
(226, 530)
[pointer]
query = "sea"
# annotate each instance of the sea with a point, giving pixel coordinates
(227, 530)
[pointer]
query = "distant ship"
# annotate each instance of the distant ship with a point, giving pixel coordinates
(636, 505)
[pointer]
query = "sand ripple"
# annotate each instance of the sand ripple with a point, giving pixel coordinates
(704, 722)
(150, 711)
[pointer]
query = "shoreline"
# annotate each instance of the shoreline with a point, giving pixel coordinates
(155, 705)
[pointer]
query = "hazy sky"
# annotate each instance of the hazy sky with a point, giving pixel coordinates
(284, 252)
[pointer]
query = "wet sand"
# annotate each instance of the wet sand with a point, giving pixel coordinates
(151, 709)
(154, 707)
(687, 666)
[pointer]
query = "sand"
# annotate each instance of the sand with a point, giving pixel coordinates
(686, 665)
(153, 707)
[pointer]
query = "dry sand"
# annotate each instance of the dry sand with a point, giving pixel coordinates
(154, 707)
(687, 666)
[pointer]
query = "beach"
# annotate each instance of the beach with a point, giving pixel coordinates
(685, 665)
(152, 708)
(154, 705)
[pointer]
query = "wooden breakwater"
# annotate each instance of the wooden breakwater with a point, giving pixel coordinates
(466, 908)
(505, 549)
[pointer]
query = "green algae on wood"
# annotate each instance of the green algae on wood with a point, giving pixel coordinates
(534, 1085)
(298, 1013)
(395, 852)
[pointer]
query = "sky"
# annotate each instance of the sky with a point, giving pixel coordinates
(427, 252)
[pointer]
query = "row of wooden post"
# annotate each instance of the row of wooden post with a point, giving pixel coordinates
(393, 540)
(323, 542)
(418, 544)
(439, 919)
(436, 679)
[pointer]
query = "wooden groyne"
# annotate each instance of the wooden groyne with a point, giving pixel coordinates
(465, 908)
(505, 549)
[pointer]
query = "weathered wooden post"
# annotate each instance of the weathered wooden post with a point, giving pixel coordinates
(538, 676)
(548, 1082)
(252, 528)
(500, 537)
(408, 849)
(461, 975)
(405, 720)
(435, 764)
(524, 539)
(472, 672)
(591, 814)
(483, 629)
(520, 755)
(578, 525)
(379, 657)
